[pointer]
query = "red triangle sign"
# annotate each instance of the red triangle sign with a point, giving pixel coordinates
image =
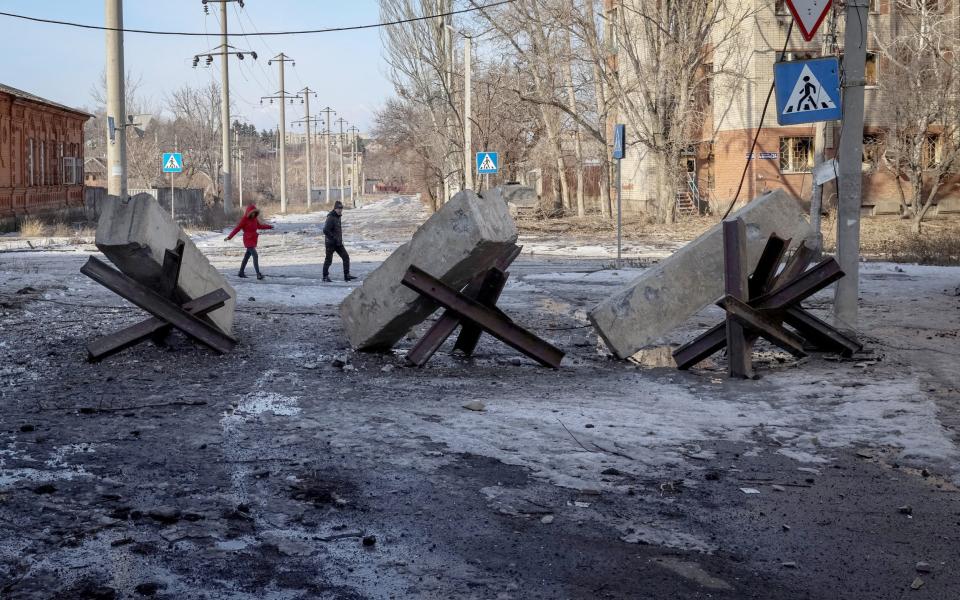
(809, 14)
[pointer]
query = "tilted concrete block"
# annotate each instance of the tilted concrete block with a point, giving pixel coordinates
(683, 284)
(463, 238)
(134, 235)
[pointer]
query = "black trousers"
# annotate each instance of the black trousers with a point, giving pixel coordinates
(256, 260)
(328, 260)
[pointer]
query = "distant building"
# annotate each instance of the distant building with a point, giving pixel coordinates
(94, 172)
(41, 154)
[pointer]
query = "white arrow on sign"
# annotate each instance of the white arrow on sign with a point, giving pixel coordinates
(809, 14)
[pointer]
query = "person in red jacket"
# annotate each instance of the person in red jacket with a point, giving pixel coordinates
(251, 225)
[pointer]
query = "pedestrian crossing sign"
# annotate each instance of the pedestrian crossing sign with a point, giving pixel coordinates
(488, 162)
(172, 162)
(808, 90)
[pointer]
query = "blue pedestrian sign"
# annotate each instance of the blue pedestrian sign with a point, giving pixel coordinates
(808, 90)
(619, 141)
(172, 162)
(488, 162)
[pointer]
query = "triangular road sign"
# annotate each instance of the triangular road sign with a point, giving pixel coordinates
(487, 164)
(809, 14)
(808, 94)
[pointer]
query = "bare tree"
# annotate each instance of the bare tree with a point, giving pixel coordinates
(921, 96)
(196, 122)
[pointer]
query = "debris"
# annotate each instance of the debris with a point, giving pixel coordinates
(917, 584)
(386, 368)
(46, 488)
(789, 565)
(906, 509)
(864, 454)
(546, 519)
(580, 504)
(778, 488)
(149, 588)
(252, 299)
(923, 567)
(475, 405)
(750, 490)
(164, 514)
(349, 367)
(369, 540)
(785, 527)
(338, 364)
(712, 476)
(26, 428)
(612, 471)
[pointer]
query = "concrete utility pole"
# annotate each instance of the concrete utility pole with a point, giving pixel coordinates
(239, 167)
(306, 99)
(341, 121)
(467, 113)
(851, 157)
(326, 138)
(282, 141)
(353, 163)
(224, 50)
(116, 103)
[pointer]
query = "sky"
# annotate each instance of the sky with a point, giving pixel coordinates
(63, 63)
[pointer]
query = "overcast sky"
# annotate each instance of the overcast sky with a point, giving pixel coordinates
(63, 63)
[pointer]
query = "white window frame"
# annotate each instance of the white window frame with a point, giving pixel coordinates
(788, 154)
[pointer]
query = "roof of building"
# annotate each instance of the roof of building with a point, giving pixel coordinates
(94, 165)
(6, 89)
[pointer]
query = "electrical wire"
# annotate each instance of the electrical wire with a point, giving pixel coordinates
(258, 34)
(763, 116)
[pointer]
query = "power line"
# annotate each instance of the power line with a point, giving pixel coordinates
(258, 34)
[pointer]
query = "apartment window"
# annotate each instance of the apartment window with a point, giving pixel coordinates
(932, 151)
(613, 35)
(30, 162)
(796, 154)
(872, 71)
(872, 150)
(43, 163)
(875, 6)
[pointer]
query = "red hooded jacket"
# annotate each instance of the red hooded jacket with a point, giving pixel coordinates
(250, 226)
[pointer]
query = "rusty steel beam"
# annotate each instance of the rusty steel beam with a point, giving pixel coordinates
(157, 305)
(763, 325)
(127, 337)
(704, 345)
(766, 270)
(802, 287)
(489, 320)
(796, 264)
(821, 334)
(739, 348)
(490, 291)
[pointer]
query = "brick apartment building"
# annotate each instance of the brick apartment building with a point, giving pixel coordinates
(41, 155)
(784, 155)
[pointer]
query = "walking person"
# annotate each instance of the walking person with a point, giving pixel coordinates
(333, 242)
(251, 225)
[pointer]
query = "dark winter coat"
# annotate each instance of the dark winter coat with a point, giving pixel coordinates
(250, 224)
(332, 230)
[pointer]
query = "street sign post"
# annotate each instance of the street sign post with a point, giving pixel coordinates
(809, 15)
(172, 162)
(619, 151)
(807, 90)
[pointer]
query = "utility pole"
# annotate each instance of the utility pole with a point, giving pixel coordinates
(846, 298)
(341, 121)
(467, 113)
(819, 141)
(282, 141)
(327, 123)
(353, 163)
(310, 121)
(306, 98)
(224, 50)
(116, 103)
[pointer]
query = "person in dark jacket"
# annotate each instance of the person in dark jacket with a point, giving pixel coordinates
(333, 241)
(251, 225)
